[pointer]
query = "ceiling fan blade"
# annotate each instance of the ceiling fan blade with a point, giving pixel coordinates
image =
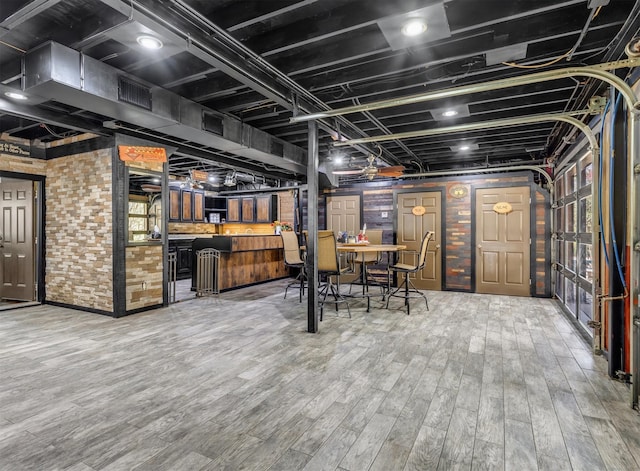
(347, 172)
(395, 171)
(151, 188)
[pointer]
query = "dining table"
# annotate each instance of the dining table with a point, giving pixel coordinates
(361, 248)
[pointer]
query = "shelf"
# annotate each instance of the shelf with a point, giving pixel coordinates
(215, 210)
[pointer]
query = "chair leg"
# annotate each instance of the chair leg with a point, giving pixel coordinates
(340, 295)
(407, 287)
(390, 294)
(414, 289)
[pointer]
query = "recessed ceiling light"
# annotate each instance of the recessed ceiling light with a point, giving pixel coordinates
(414, 27)
(149, 42)
(449, 113)
(464, 147)
(16, 95)
(211, 177)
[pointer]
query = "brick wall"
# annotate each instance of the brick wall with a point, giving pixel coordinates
(144, 276)
(12, 163)
(457, 226)
(79, 246)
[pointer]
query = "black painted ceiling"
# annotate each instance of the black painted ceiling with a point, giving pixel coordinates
(261, 60)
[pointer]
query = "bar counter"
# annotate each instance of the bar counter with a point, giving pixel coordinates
(244, 259)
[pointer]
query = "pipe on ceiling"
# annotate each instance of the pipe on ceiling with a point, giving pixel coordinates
(598, 72)
(510, 168)
(565, 117)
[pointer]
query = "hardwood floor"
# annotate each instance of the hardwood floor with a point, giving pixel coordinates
(234, 382)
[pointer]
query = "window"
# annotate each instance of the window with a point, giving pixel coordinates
(559, 285)
(586, 305)
(570, 295)
(585, 268)
(571, 181)
(585, 214)
(571, 218)
(559, 188)
(573, 243)
(144, 206)
(585, 172)
(560, 219)
(138, 220)
(561, 253)
(570, 262)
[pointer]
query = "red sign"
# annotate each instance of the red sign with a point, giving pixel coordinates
(142, 154)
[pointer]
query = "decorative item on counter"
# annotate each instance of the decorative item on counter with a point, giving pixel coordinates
(281, 226)
(342, 237)
(362, 235)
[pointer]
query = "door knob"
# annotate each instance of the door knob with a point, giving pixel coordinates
(438, 247)
(480, 247)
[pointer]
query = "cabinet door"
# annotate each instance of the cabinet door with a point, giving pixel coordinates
(248, 208)
(198, 206)
(265, 208)
(174, 204)
(187, 215)
(233, 209)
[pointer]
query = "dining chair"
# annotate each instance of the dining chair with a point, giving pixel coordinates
(410, 291)
(329, 269)
(292, 259)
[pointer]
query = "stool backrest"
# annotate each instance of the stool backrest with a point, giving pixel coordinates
(423, 249)
(375, 238)
(327, 253)
(291, 248)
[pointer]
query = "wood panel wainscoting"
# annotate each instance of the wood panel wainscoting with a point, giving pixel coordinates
(244, 260)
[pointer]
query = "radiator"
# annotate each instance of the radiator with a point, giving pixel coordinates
(207, 267)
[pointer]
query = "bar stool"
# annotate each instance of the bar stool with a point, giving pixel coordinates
(410, 291)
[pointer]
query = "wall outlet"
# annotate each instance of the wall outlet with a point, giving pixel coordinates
(144, 285)
(385, 214)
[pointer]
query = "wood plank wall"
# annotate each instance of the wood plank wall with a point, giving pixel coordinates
(378, 197)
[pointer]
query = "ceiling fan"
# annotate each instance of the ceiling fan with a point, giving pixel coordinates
(371, 170)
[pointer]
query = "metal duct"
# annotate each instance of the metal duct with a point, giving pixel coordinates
(67, 76)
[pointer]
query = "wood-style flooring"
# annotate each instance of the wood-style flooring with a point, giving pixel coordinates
(234, 382)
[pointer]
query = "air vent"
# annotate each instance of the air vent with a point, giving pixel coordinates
(277, 148)
(212, 123)
(134, 93)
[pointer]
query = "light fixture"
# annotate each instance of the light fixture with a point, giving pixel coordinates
(464, 147)
(189, 182)
(230, 179)
(156, 180)
(414, 27)
(211, 177)
(16, 95)
(149, 42)
(449, 113)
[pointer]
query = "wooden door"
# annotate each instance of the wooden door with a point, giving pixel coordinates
(16, 244)
(343, 214)
(248, 209)
(198, 206)
(503, 243)
(264, 208)
(174, 204)
(411, 229)
(233, 209)
(187, 214)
